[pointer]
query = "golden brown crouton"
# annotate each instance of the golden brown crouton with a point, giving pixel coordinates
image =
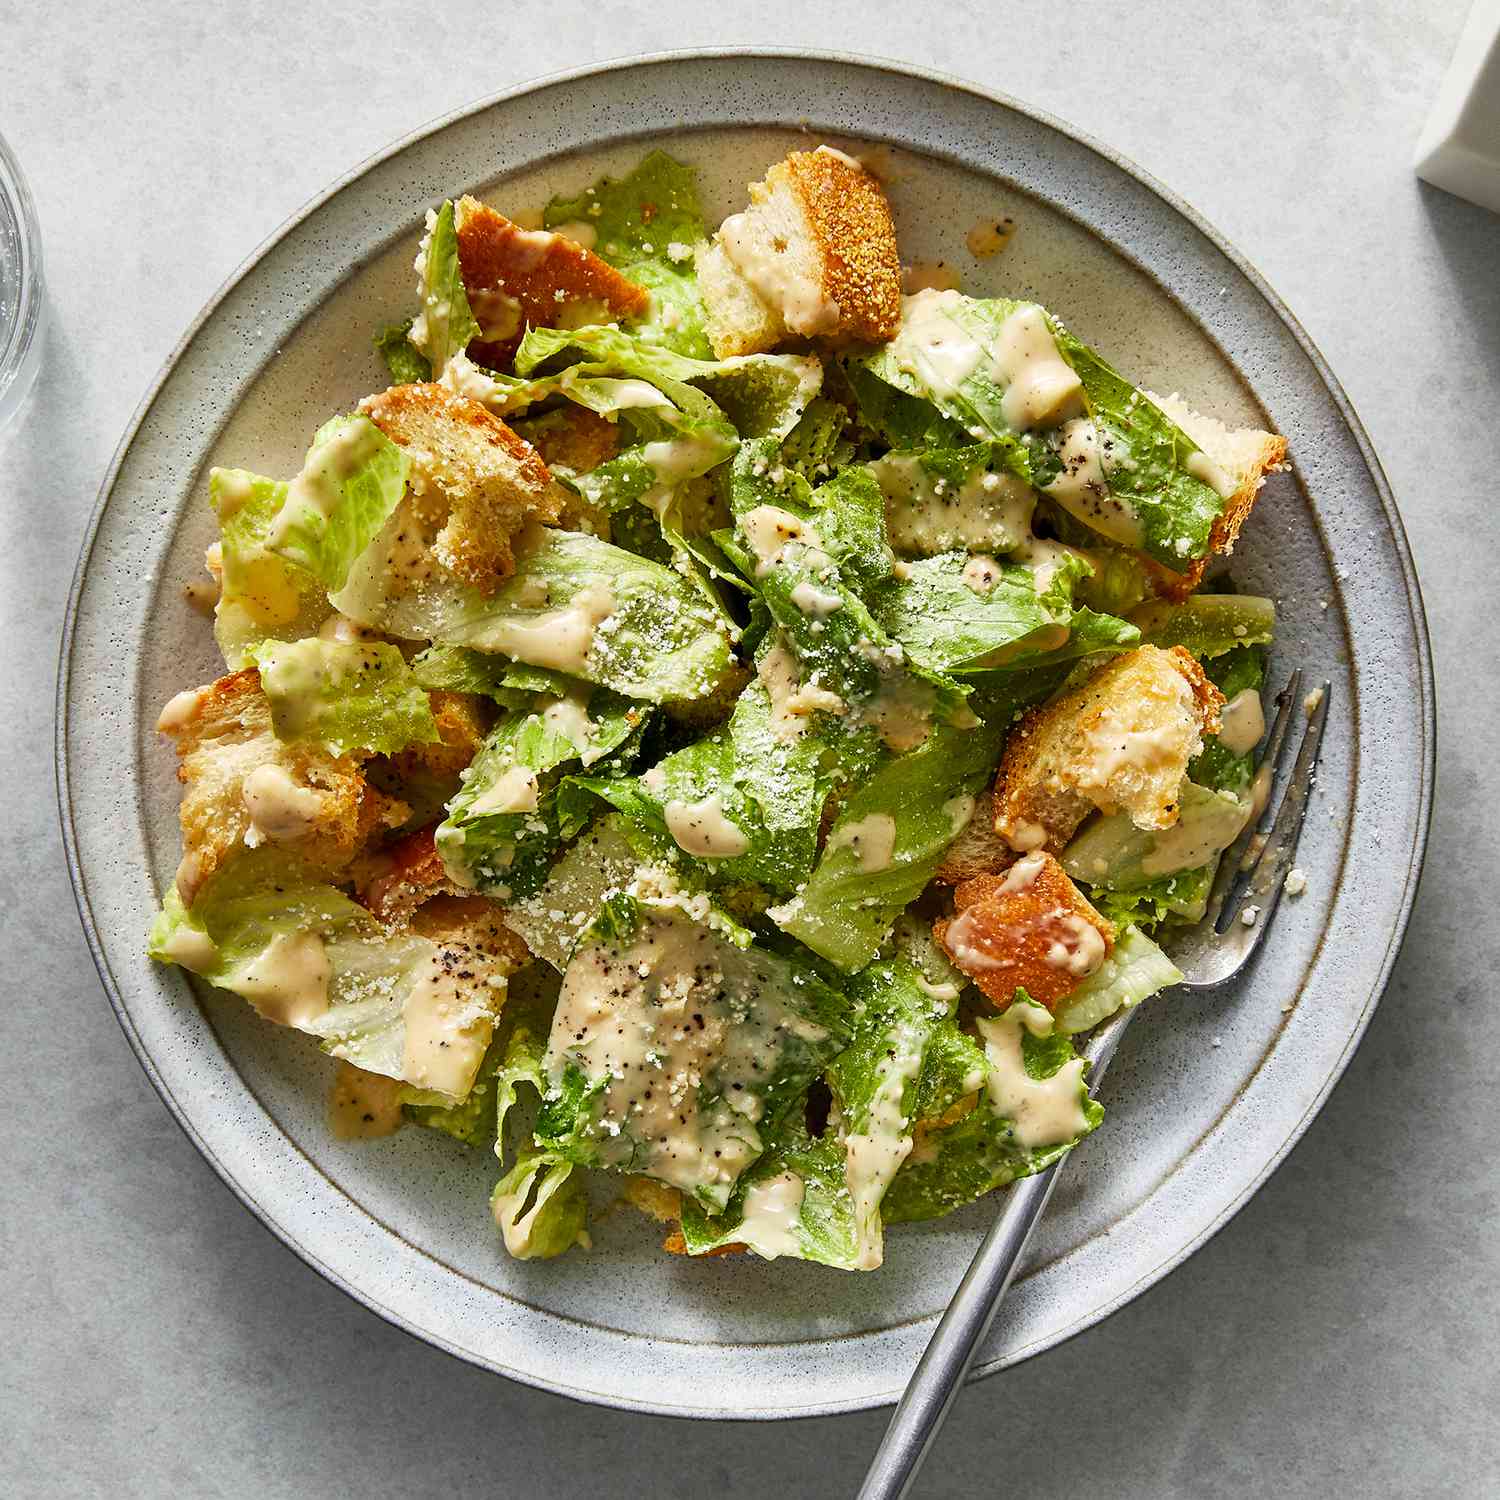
(1122, 739)
(571, 438)
(814, 256)
(515, 277)
(1030, 929)
(978, 849)
(393, 882)
(471, 926)
(654, 1199)
(469, 465)
(674, 1244)
(244, 786)
(1239, 461)
(461, 720)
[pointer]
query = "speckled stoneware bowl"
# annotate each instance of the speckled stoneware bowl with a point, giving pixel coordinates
(1208, 1095)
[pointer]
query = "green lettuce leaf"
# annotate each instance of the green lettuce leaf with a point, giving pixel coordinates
(445, 324)
(646, 226)
(406, 364)
(352, 480)
(357, 695)
(1209, 625)
(541, 1206)
(889, 837)
(262, 596)
(502, 828)
(1134, 970)
(678, 1048)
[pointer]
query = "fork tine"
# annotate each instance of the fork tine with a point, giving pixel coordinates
(1268, 765)
(1264, 885)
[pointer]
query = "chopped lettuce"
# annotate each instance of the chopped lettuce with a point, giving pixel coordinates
(262, 596)
(1030, 1106)
(743, 799)
(647, 225)
(888, 839)
(678, 1048)
(541, 1206)
(445, 324)
(353, 478)
(406, 363)
(1208, 624)
(356, 695)
(1134, 970)
(502, 828)
(457, 669)
(305, 955)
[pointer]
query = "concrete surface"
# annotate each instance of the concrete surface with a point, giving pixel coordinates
(1330, 1342)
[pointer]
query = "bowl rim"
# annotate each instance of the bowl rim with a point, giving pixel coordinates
(625, 64)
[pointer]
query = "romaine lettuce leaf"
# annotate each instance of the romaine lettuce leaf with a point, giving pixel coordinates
(353, 478)
(262, 596)
(888, 839)
(445, 324)
(646, 226)
(1134, 970)
(406, 364)
(541, 1206)
(502, 828)
(743, 797)
(678, 1048)
(1032, 1107)
(357, 695)
(1208, 624)
(305, 955)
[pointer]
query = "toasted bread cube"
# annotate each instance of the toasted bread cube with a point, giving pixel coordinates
(461, 720)
(1121, 740)
(468, 463)
(656, 1200)
(244, 786)
(814, 256)
(517, 277)
(1240, 459)
(978, 849)
(393, 882)
(1030, 929)
(471, 927)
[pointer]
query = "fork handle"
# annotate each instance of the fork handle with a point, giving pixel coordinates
(939, 1375)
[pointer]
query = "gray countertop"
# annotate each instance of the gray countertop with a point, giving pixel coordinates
(1330, 1341)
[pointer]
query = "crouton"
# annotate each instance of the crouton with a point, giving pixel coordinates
(655, 1199)
(244, 786)
(467, 464)
(515, 277)
(674, 1244)
(393, 882)
(814, 256)
(1240, 458)
(978, 849)
(461, 721)
(1121, 739)
(1030, 929)
(571, 438)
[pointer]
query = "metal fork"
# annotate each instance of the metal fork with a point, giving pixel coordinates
(1251, 877)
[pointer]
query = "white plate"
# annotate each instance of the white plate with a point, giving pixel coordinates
(1206, 1098)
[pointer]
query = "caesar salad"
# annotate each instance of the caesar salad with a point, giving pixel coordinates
(718, 723)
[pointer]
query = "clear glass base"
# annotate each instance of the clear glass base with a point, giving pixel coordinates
(22, 292)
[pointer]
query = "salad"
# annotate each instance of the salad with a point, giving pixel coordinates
(715, 726)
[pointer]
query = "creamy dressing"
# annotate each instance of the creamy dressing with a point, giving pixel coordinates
(560, 639)
(1206, 471)
(772, 1218)
(873, 1155)
(1023, 874)
(813, 601)
(1242, 722)
(319, 486)
(989, 237)
(1043, 1112)
(702, 829)
(191, 947)
(1214, 824)
(1041, 388)
(447, 1024)
(932, 345)
(514, 791)
(791, 703)
(792, 290)
(928, 275)
(981, 573)
(569, 717)
(872, 840)
(674, 459)
(363, 1106)
(843, 156)
(580, 231)
(770, 532)
(1082, 488)
(497, 313)
(232, 489)
(287, 981)
(672, 1014)
(1080, 948)
(281, 809)
(1022, 835)
(926, 515)
(959, 811)
(178, 712)
(340, 630)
